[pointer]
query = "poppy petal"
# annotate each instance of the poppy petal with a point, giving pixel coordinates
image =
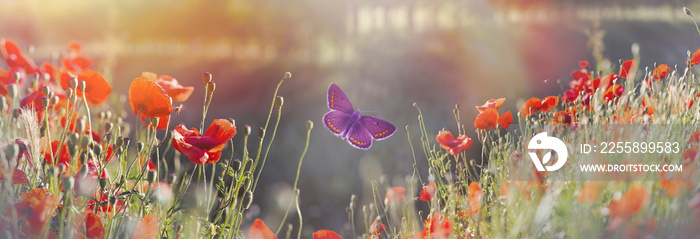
(260, 231)
(147, 228)
(326, 234)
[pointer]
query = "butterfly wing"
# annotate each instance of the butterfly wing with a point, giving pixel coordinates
(359, 137)
(337, 100)
(379, 129)
(336, 121)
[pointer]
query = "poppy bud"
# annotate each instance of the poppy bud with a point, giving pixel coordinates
(81, 85)
(113, 200)
(211, 86)
(151, 177)
(236, 165)
(97, 149)
(54, 100)
(687, 11)
(126, 142)
(415, 104)
(42, 130)
(119, 151)
(247, 199)
(408, 128)
(45, 89)
(155, 121)
(261, 132)
(102, 115)
(108, 126)
(83, 171)
(69, 92)
(68, 182)
(120, 142)
(279, 101)
(246, 130)
(11, 151)
(309, 125)
(73, 98)
(45, 101)
(12, 91)
(73, 82)
(140, 146)
(108, 114)
(84, 141)
(61, 167)
(16, 75)
(171, 178)
(103, 183)
(83, 157)
(54, 171)
(287, 75)
(3, 104)
(206, 77)
(15, 113)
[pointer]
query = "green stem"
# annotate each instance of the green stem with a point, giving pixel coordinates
(269, 145)
(296, 180)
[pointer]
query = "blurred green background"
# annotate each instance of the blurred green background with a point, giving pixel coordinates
(385, 54)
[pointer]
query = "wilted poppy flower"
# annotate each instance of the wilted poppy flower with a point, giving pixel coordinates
(660, 72)
(452, 145)
(178, 92)
(377, 228)
(149, 99)
(583, 64)
(695, 58)
(626, 68)
(436, 226)
(474, 195)
(548, 103)
(97, 89)
(394, 195)
(428, 192)
(590, 192)
(14, 57)
(623, 209)
(505, 120)
(260, 231)
(326, 234)
(147, 228)
(486, 120)
(530, 107)
(201, 149)
(491, 104)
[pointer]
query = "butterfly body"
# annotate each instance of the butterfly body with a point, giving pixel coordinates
(359, 130)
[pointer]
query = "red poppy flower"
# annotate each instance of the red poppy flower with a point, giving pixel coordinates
(18, 176)
(89, 225)
(689, 103)
(548, 103)
(77, 63)
(205, 148)
(178, 92)
(678, 183)
(14, 57)
(428, 192)
(583, 64)
(436, 226)
(491, 104)
(505, 120)
(486, 120)
(474, 195)
(147, 228)
(626, 68)
(591, 192)
(562, 117)
(623, 209)
(613, 92)
(377, 228)
(149, 99)
(660, 72)
(326, 234)
(695, 58)
(260, 231)
(452, 145)
(37, 207)
(64, 158)
(694, 137)
(394, 195)
(97, 89)
(530, 107)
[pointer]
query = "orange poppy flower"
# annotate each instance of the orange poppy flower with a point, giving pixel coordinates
(149, 99)
(64, 158)
(428, 192)
(436, 226)
(583, 64)
(89, 225)
(626, 68)
(452, 145)
(178, 92)
(394, 196)
(474, 195)
(15, 58)
(326, 234)
(562, 117)
(377, 228)
(201, 149)
(97, 89)
(679, 183)
(147, 228)
(76, 62)
(548, 103)
(649, 110)
(505, 120)
(689, 103)
(695, 58)
(591, 192)
(660, 72)
(18, 176)
(613, 92)
(491, 104)
(623, 209)
(694, 137)
(530, 107)
(260, 231)
(486, 120)
(36, 209)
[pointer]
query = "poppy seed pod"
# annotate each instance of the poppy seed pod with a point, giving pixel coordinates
(151, 177)
(68, 183)
(211, 86)
(97, 149)
(54, 100)
(261, 132)
(103, 183)
(309, 125)
(140, 146)
(108, 126)
(287, 75)
(126, 142)
(206, 77)
(69, 92)
(246, 130)
(120, 142)
(45, 89)
(3, 104)
(16, 75)
(84, 141)
(12, 91)
(82, 85)
(687, 11)
(45, 101)
(279, 101)
(73, 82)
(155, 121)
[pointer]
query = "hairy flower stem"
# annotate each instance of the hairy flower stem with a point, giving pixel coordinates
(296, 180)
(269, 145)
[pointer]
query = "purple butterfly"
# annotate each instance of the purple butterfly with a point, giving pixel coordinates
(348, 124)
